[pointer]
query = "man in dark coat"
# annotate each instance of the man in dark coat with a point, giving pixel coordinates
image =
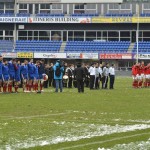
(79, 75)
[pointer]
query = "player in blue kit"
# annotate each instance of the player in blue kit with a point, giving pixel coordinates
(36, 76)
(31, 69)
(17, 76)
(24, 76)
(1, 64)
(5, 75)
(12, 69)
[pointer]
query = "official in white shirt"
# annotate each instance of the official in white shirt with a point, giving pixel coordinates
(111, 76)
(92, 76)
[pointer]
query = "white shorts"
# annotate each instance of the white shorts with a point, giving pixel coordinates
(135, 77)
(147, 76)
(142, 76)
(138, 77)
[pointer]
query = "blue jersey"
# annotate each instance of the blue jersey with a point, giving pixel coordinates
(18, 70)
(31, 68)
(24, 70)
(11, 67)
(36, 72)
(5, 70)
(1, 67)
(41, 69)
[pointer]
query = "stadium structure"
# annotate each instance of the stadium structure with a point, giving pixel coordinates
(106, 30)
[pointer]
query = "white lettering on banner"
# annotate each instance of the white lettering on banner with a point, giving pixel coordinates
(142, 56)
(59, 20)
(14, 19)
(89, 55)
(9, 55)
(49, 55)
(73, 55)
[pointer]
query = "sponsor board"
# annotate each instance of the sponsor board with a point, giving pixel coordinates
(14, 19)
(89, 55)
(115, 56)
(9, 55)
(50, 55)
(121, 20)
(141, 56)
(59, 20)
(73, 55)
(24, 55)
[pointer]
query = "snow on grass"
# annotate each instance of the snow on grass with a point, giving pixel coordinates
(76, 132)
(143, 145)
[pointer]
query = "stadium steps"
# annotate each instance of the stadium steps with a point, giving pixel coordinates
(131, 47)
(62, 48)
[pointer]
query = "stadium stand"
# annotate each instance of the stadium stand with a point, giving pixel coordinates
(145, 14)
(144, 47)
(37, 46)
(92, 46)
(49, 15)
(119, 15)
(6, 46)
(85, 15)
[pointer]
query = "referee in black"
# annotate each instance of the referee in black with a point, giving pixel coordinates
(79, 75)
(111, 76)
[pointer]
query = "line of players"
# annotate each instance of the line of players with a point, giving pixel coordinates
(13, 72)
(141, 75)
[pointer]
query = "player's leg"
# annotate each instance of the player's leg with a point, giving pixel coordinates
(5, 83)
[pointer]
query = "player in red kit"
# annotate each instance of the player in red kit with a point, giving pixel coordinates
(135, 75)
(146, 73)
(141, 74)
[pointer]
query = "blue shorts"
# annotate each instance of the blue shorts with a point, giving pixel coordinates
(31, 76)
(6, 77)
(36, 77)
(24, 76)
(0, 76)
(41, 76)
(12, 76)
(17, 79)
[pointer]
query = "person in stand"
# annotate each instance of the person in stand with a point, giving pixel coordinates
(111, 76)
(79, 75)
(58, 75)
(105, 76)
(92, 76)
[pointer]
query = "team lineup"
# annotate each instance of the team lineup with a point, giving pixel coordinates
(32, 75)
(141, 75)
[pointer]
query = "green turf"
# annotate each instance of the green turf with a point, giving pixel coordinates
(31, 118)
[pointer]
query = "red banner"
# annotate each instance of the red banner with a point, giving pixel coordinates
(115, 56)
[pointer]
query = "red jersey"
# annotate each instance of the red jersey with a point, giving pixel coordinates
(135, 70)
(146, 70)
(142, 68)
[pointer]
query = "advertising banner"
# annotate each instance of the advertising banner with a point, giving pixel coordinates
(50, 55)
(59, 20)
(24, 55)
(89, 55)
(14, 19)
(73, 55)
(121, 20)
(142, 56)
(9, 55)
(115, 56)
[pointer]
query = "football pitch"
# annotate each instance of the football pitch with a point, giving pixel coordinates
(116, 119)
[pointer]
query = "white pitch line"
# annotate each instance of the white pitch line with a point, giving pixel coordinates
(35, 116)
(101, 142)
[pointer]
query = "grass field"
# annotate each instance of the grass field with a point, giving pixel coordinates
(116, 119)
